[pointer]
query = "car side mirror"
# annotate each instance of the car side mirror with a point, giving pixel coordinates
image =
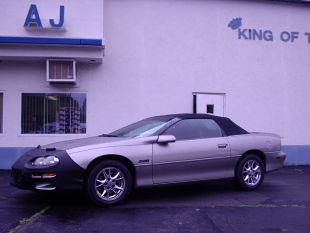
(165, 139)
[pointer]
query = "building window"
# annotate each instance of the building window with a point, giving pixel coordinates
(56, 113)
(1, 112)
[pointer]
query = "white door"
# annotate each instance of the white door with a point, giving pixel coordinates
(210, 103)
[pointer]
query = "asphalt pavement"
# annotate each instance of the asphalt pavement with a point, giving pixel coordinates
(281, 204)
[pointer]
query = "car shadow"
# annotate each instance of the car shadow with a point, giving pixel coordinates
(151, 196)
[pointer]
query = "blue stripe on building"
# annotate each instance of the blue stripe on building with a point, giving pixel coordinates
(8, 155)
(296, 155)
(50, 41)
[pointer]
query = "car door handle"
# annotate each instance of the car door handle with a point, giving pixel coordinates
(221, 146)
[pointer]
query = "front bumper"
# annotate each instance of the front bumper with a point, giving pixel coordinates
(275, 160)
(62, 176)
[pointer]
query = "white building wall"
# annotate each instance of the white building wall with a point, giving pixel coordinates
(159, 52)
(169, 49)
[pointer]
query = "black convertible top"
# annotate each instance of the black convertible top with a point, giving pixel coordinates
(227, 125)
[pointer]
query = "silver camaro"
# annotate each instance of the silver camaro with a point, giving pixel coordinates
(158, 150)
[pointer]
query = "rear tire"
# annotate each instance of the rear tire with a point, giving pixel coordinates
(109, 183)
(250, 172)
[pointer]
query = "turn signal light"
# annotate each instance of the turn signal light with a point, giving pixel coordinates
(48, 175)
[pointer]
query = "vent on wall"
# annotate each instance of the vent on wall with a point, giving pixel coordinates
(60, 70)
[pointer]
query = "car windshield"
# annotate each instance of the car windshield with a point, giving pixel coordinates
(142, 128)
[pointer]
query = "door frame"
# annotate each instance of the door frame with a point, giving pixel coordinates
(208, 93)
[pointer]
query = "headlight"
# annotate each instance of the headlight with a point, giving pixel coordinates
(45, 161)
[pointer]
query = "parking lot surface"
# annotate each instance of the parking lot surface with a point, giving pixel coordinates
(282, 204)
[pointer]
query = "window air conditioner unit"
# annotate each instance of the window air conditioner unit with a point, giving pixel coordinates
(60, 70)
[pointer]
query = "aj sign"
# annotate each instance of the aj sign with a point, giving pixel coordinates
(33, 19)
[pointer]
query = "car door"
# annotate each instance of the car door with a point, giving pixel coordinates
(200, 152)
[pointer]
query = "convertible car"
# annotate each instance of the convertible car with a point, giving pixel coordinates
(158, 150)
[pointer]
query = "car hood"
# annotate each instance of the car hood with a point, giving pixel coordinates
(99, 142)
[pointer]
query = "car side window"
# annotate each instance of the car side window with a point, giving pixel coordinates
(194, 129)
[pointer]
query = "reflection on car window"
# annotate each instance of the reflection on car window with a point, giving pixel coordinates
(142, 128)
(194, 129)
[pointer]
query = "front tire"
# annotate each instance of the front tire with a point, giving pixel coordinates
(250, 172)
(109, 183)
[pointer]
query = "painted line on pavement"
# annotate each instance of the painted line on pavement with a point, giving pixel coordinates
(26, 221)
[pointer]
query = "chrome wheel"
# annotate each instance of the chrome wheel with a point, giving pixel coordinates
(251, 172)
(110, 183)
